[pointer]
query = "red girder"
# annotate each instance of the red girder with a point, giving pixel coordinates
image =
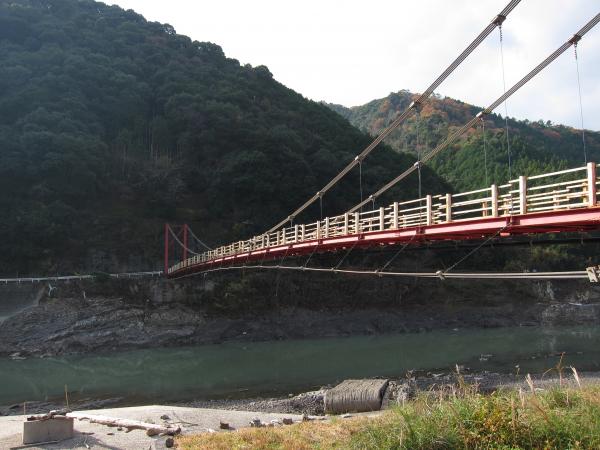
(580, 219)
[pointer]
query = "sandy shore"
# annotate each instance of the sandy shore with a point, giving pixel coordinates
(94, 436)
(205, 416)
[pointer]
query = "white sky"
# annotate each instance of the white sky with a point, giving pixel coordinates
(351, 52)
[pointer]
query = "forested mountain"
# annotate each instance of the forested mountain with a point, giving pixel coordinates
(535, 146)
(111, 125)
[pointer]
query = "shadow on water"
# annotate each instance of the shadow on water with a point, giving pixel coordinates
(273, 368)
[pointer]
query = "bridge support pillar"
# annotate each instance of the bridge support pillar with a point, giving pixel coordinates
(494, 195)
(448, 207)
(522, 194)
(591, 183)
(429, 204)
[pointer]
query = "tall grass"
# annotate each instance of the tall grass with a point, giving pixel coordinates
(451, 418)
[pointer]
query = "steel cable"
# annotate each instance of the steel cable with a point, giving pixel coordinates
(406, 113)
(454, 136)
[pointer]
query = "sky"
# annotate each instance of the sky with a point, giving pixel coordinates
(350, 52)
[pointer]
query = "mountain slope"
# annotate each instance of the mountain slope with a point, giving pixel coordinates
(111, 125)
(535, 146)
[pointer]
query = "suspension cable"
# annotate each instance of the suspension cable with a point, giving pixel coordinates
(198, 240)
(419, 153)
(506, 136)
(474, 250)
(420, 193)
(580, 104)
(484, 150)
(406, 113)
(360, 180)
(454, 136)
(567, 275)
(320, 205)
(181, 243)
(345, 256)
(393, 258)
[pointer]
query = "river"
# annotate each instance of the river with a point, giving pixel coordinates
(234, 370)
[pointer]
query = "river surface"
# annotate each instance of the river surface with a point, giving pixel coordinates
(235, 370)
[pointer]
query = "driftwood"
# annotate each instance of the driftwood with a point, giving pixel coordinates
(355, 396)
(54, 414)
(151, 428)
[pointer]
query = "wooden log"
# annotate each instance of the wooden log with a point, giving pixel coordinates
(151, 428)
(55, 413)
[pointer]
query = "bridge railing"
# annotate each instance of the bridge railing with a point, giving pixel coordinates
(555, 191)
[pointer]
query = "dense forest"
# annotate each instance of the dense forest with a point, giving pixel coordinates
(535, 147)
(111, 125)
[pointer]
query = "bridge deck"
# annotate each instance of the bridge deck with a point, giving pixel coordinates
(523, 206)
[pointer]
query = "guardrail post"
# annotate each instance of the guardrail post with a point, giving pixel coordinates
(346, 220)
(295, 233)
(522, 194)
(381, 219)
(591, 183)
(318, 229)
(448, 207)
(357, 222)
(326, 227)
(494, 189)
(395, 215)
(302, 232)
(283, 236)
(429, 203)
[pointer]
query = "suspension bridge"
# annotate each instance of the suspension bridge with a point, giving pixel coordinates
(525, 205)
(556, 202)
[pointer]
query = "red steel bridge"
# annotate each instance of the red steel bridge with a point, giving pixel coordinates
(562, 201)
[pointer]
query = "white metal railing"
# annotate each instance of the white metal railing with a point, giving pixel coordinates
(565, 189)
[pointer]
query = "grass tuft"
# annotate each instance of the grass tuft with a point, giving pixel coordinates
(558, 418)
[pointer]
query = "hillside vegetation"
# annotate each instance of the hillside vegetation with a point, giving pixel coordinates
(535, 146)
(111, 125)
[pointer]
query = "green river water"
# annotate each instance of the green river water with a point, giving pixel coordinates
(282, 367)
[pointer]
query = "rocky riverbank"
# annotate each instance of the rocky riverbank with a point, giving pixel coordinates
(120, 315)
(312, 403)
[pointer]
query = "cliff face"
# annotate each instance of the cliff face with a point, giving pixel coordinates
(86, 317)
